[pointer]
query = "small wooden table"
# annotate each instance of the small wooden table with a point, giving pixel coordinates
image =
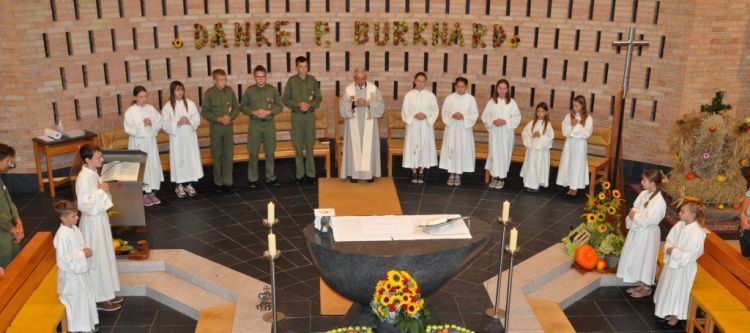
(52, 148)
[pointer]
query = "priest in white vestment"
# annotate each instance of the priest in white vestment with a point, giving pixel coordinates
(501, 117)
(682, 248)
(537, 136)
(94, 200)
(361, 107)
(419, 112)
(73, 281)
(577, 127)
(143, 123)
(180, 119)
(641, 248)
(460, 113)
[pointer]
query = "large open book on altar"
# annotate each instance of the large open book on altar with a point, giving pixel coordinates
(120, 171)
(398, 227)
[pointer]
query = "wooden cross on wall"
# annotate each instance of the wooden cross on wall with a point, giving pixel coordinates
(615, 170)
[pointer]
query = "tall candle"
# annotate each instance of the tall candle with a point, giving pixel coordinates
(513, 239)
(506, 210)
(271, 212)
(271, 244)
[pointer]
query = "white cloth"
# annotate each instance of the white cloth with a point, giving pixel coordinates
(535, 169)
(501, 138)
(143, 138)
(361, 156)
(97, 233)
(184, 152)
(419, 139)
(457, 153)
(638, 257)
(73, 281)
(574, 166)
(677, 276)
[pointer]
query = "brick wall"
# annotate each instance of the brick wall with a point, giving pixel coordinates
(78, 61)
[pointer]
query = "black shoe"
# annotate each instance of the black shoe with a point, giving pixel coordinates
(312, 180)
(531, 190)
(252, 184)
(299, 181)
(371, 180)
(352, 180)
(219, 189)
(274, 182)
(229, 188)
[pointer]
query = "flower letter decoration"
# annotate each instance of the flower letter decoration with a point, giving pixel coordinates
(260, 37)
(200, 35)
(219, 37)
(400, 28)
(322, 29)
(498, 35)
(361, 35)
(478, 31)
(386, 33)
(417, 33)
(281, 34)
(242, 36)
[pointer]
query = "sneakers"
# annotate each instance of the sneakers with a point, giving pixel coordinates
(180, 191)
(190, 190)
(154, 199)
(493, 183)
(108, 306)
(414, 178)
(117, 300)
(500, 184)
(451, 180)
(147, 200)
(457, 181)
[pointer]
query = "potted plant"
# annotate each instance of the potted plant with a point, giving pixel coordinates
(611, 247)
(398, 304)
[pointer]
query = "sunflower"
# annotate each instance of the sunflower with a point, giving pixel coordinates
(601, 228)
(412, 309)
(606, 185)
(514, 41)
(385, 300)
(590, 217)
(616, 194)
(600, 217)
(177, 43)
(406, 299)
(381, 312)
(394, 277)
(612, 210)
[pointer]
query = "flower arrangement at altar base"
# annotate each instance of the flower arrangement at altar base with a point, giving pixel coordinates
(601, 223)
(398, 301)
(447, 329)
(351, 329)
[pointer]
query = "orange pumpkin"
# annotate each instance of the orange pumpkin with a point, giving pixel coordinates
(601, 264)
(586, 256)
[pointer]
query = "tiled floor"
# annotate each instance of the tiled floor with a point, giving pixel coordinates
(141, 314)
(227, 228)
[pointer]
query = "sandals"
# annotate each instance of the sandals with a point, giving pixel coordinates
(643, 292)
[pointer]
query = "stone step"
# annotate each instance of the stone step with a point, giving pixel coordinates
(568, 287)
(163, 287)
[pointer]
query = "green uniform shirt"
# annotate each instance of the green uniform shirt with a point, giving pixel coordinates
(299, 90)
(217, 103)
(8, 210)
(256, 97)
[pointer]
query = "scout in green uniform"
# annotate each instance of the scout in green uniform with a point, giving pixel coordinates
(302, 96)
(261, 102)
(220, 108)
(11, 227)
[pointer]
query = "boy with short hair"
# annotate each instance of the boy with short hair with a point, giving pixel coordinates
(11, 226)
(220, 108)
(261, 102)
(73, 281)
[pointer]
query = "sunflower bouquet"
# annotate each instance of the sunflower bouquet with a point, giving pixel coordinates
(398, 301)
(601, 222)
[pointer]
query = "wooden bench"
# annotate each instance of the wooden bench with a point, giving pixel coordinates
(118, 139)
(28, 291)
(598, 153)
(217, 319)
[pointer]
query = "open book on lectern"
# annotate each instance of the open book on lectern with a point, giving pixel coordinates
(120, 171)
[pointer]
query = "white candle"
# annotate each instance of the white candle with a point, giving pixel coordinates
(271, 213)
(513, 239)
(272, 244)
(506, 210)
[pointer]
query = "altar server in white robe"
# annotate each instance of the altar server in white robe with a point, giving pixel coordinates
(361, 106)
(94, 200)
(419, 112)
(501, 117)
(143, 123)
(577, 127)
(459, 115)
(641, 248)
(537, 138)
(682, 248)
(180, 119)
(73, 281)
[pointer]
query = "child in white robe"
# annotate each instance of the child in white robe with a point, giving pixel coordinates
(641, 248)
(180, 119)
(93, 201)
(537, 136)
(73, 281)
(682, 248)
(143, 123)
(460, 113)
(501, 117)
(577, 127)
(419, 112)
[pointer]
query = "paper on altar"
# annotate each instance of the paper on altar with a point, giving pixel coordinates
(392, 227)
